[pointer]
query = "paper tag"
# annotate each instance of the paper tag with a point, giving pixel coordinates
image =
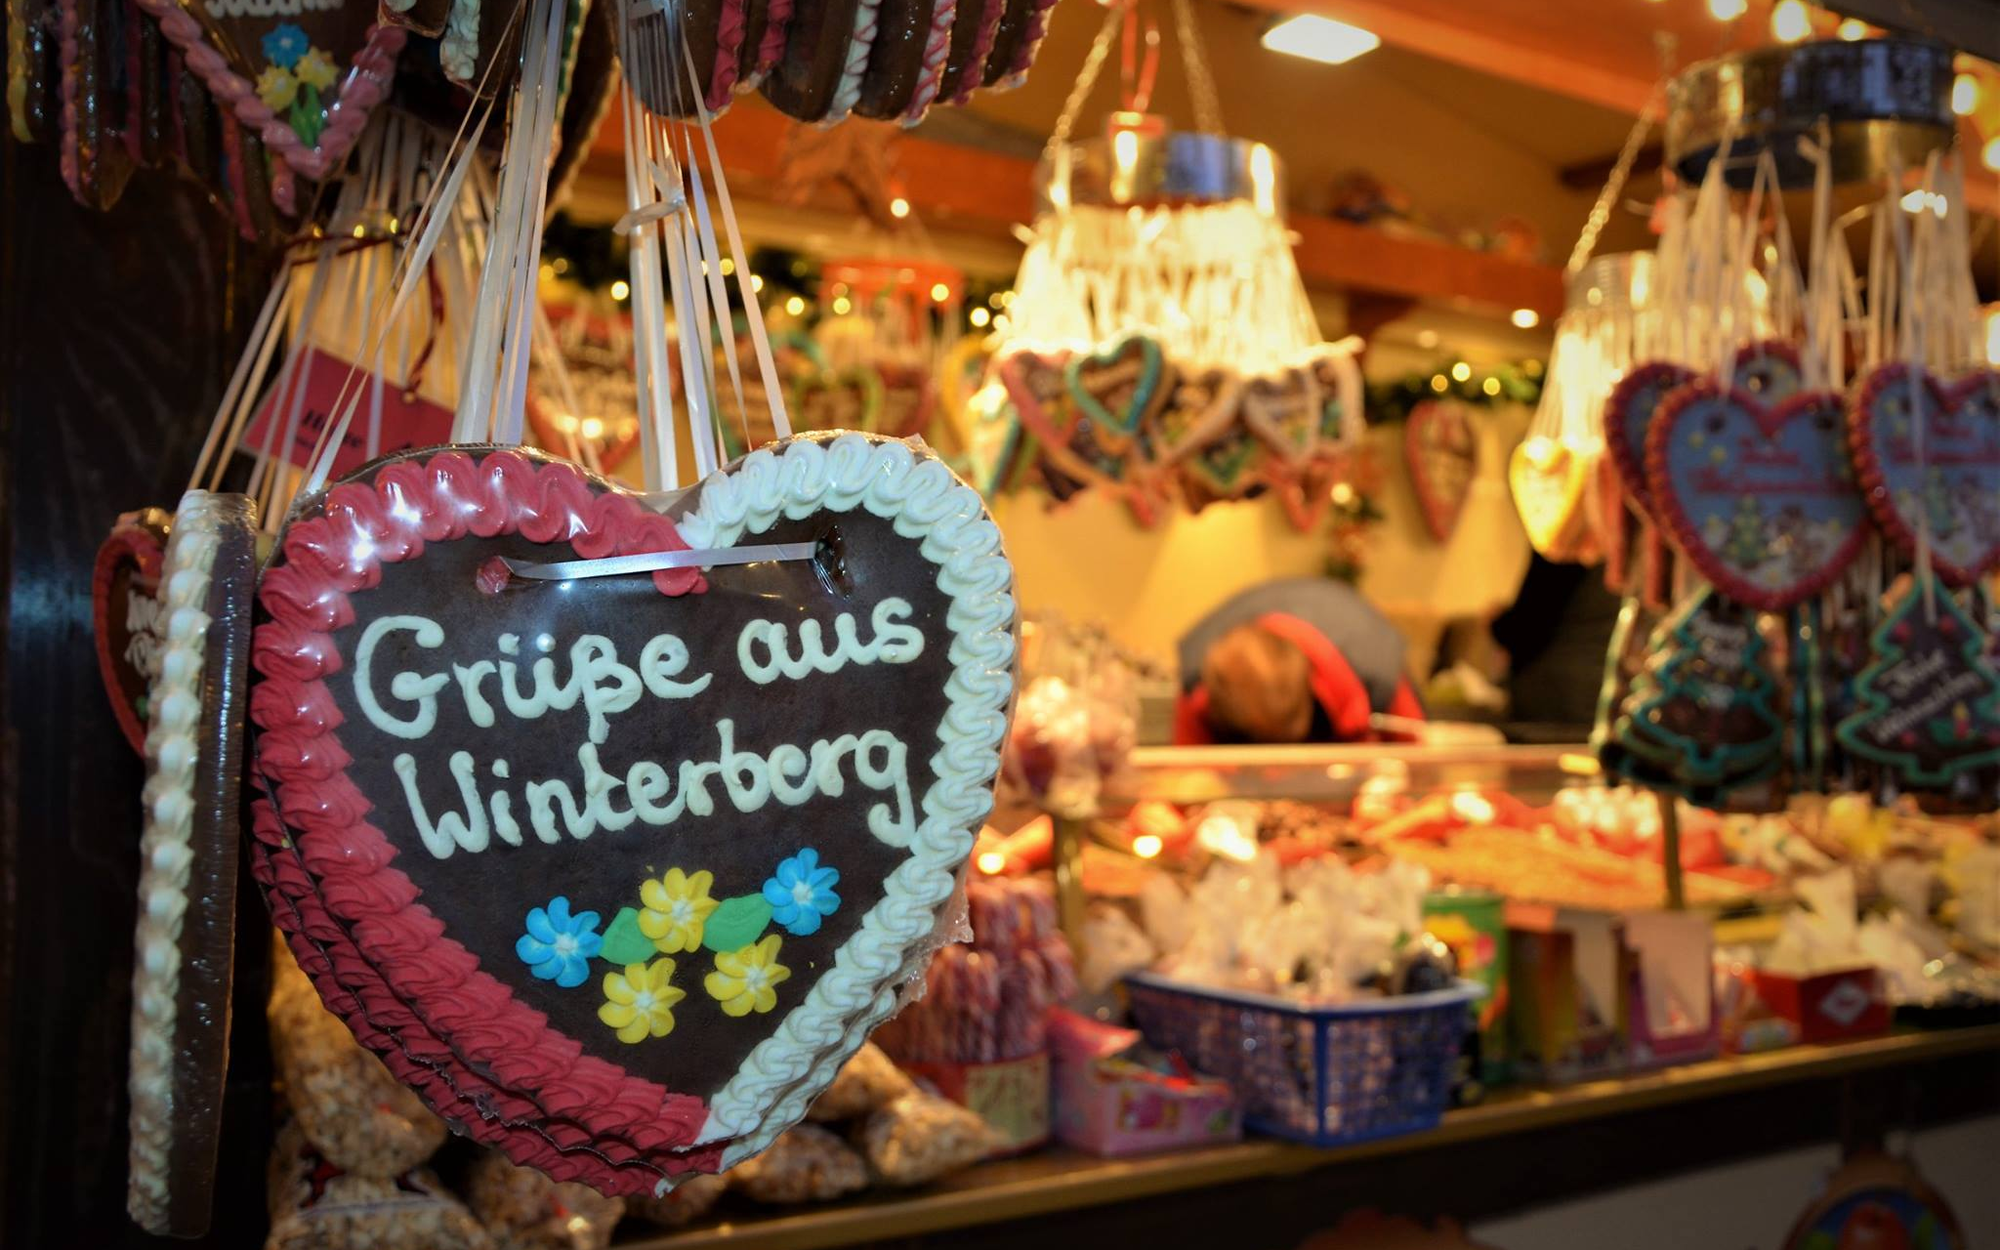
(315, 388)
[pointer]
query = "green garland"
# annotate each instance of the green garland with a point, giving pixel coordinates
(1517, 383)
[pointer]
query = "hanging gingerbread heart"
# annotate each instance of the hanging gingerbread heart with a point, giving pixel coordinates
(1928, 458)
(909, 392)
(1761, 498)
(186, 933)
(483, 835)
(1232, 465)
(1115, 389)
(1928, 703)
(1628, 416)
(302, 76)
(1548, 480)
(125, 614)
(1443, 456)
(839, 399)
(1283, 408)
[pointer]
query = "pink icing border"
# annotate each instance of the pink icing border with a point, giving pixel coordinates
(414, 1055)
(982, 47)
(333, 553)
(1868, 468)
(936, 50)
(366, 85)
(1675, 520)
(777, 22)
(1031, 43)
(730, 27)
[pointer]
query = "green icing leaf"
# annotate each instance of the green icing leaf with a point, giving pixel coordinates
(736, 923)
(623, 943)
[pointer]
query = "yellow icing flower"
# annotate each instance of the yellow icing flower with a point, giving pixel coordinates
(276, 87)
(743, 980)
(315, 69)
(639, 1002)
(676, 907)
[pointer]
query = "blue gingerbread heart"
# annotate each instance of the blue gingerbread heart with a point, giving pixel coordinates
(1761, 498)
(1929, 461)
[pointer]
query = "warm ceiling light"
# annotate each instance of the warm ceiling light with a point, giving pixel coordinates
(1319, 38)
(1964, 95)
(899, 207)
(1727, 10)
(1852, 29)
(1526, 318)
(1790, 22)
(1990, 154)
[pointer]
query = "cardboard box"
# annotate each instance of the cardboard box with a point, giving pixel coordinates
(1828, 1006)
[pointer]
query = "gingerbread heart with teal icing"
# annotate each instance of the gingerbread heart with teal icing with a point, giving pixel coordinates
(1762, 498)
(1928, 457)
(1115, 389)
(303, 75)
(652, 850)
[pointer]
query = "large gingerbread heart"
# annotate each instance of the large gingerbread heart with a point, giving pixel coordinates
(1443, 453)
(1760, 498)
(303, 75)
(1928, 457)
(125, 614)
(655, 851)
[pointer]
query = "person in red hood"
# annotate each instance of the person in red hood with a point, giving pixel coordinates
(1298, 660)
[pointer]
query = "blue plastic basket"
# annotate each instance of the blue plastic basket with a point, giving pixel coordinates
(1325, 1075)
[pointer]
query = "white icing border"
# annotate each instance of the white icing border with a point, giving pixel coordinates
(173, 747)
(847, 91)
(925, 501)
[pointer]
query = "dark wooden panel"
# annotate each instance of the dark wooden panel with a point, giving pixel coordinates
(117, 331)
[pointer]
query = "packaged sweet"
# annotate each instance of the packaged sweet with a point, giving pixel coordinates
(805, 1164)
(683, 1204)
(316, 1206)
(920, 1137)
(346, 1103)
(525, 1210)
(864, 1083)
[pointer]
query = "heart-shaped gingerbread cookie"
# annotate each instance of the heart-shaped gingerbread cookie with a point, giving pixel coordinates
(1443, 452)
(1928, 457)
(1761, 498)
(1549, 480)
(1628, 415)
(125, 613)
(650, 854)
(1115, 389)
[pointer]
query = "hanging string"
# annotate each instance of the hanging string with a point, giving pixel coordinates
(1614, 183)
(1201, 83)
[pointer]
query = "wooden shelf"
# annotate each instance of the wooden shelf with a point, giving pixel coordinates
(1060, 1180)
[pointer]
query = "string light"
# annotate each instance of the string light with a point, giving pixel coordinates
(795, 306)
(620, 289)
(1852, 29)
(1790, 22)
(940, 292)
(1964, 95)
(1727, 10)
(842, 305)
(1461, 372)
(756, 282)
(1989, 156)
(979, 317)
(1439, 384)
(728, 265)
(1491, 386)
(1526, 318)
(899, 208)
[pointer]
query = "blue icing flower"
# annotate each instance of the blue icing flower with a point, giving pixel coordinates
(285, 44)
(801, 893)
(558, 946)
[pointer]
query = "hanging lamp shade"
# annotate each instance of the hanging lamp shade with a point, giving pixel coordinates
(1134, 168)
(1886, 103)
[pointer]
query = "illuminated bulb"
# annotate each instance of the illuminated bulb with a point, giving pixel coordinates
(795, 306)
(1989, 156)
(1526, 318)
(756, 282)
(980, 317)
(1147, 845)
(1427, 339)
(842, 305)
(1439, 384)
(1964, 95)
(562, 264)
(1342, 493)
(1491, 386)
(940, 292)
(1852, 29)
(1461, 372)
(1320, 39)
(1727, 10)
(620, 289)
(992, 863)
(1918, 200)
(593, 427)
(1789, 21)
(728, 266)
(899, 207)
(1472, 806)
(548, 272)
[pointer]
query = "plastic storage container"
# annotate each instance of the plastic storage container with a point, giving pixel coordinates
(1325, 1075)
